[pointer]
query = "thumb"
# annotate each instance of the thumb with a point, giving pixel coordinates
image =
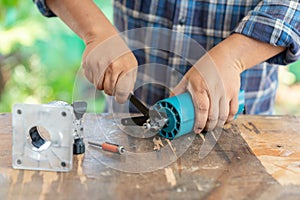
(180, 88)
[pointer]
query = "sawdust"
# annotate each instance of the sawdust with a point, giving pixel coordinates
(227, 126)
(170, 176)
(157, 143)
(171, 146)
(202, 136)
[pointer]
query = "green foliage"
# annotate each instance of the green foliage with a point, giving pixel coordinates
(295, 69)
(39, 57)
(6, 6)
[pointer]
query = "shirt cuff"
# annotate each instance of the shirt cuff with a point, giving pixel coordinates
(43, 8)
(277, 23)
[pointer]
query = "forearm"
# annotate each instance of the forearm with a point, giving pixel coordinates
(84, 18)
(242, 52)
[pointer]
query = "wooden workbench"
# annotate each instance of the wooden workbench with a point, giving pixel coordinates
(243, 165)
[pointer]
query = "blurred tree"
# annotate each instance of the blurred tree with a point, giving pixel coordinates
(295, 69)
(39, 57)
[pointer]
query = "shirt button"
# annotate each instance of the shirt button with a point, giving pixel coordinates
(182, 21)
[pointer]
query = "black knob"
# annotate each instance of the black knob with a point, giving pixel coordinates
(78, 146)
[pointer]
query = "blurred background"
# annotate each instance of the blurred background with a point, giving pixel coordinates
(40, 58)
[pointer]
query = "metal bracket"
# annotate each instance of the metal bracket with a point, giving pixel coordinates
(44, 135)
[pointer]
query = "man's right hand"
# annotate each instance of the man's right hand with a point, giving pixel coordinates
(110, 66)
(107, 61)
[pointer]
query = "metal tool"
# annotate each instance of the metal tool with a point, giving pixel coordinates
(171, 117)
(110, 147)
(151, 119)
(46, 136)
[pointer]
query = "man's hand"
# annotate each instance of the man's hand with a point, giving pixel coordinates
(110, 66)
(214, 92)
(107, 61)
(214, 81)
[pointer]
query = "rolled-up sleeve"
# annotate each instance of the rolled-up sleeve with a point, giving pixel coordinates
(276, 22)
(43, 8)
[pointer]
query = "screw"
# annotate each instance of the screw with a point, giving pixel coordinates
(63, 164)
(19, 111)
(146, 126)
(63, 113)
(19, 162)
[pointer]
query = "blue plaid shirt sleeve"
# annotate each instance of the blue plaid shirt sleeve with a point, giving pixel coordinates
(43, 8)
(276, 22)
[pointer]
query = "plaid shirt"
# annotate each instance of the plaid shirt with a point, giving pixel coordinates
(276, 22)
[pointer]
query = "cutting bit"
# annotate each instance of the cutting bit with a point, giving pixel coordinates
(150, 120)
(107, 146)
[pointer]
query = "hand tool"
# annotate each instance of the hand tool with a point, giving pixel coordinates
(171, 117)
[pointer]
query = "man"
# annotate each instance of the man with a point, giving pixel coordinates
(238, 35)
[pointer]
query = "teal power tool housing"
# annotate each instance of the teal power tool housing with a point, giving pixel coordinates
(171, 117)
(180, 114)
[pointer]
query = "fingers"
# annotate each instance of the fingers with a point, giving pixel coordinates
(201, 104)
(233, 108)
(125, 85)
(210, 114)
(127, 77)
(106, 63)
(94, 69)
(109, 81)
(115, 77)
(212, 108)
(213, 113)
(114, 80)
(118, 82)
(223, 112)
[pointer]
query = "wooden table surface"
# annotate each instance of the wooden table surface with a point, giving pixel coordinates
(232, 170)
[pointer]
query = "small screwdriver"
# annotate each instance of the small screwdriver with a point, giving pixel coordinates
(107, 146)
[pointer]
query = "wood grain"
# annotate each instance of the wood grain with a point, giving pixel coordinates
(276, 143)
(229, 171)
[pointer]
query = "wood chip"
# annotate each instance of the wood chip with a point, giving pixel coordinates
(157, 143)
(202, 136)
(227, 126)
(171, 146)
(170, 176)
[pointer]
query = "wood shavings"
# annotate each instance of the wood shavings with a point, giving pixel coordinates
(227, 126)
(171, 146)
(202, 136)
(157, 143)
(170, 176)
(198, 185)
